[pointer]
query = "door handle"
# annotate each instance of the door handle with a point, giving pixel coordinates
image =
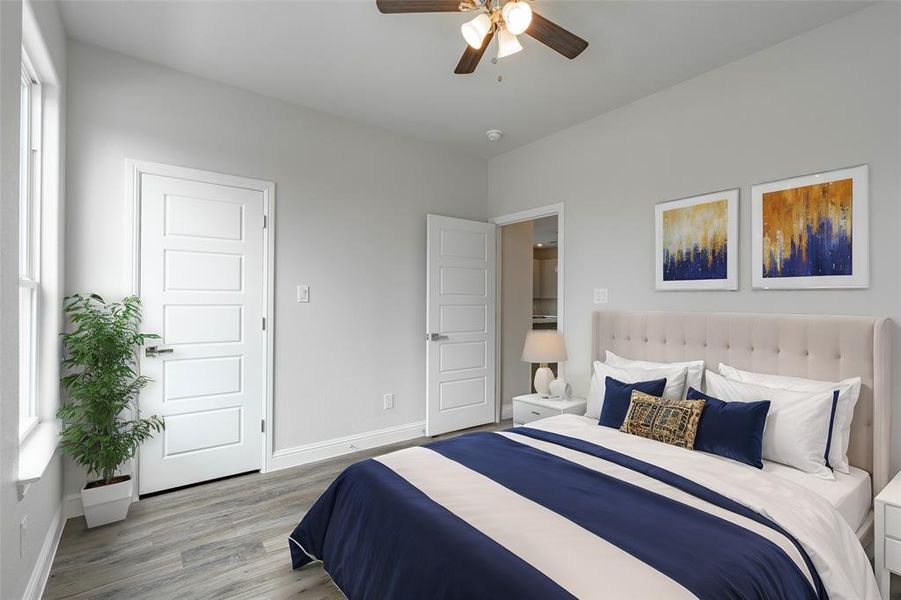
(151, 351)
(434, 337)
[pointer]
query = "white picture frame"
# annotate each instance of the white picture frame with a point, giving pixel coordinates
(666, 282)
(860, 234)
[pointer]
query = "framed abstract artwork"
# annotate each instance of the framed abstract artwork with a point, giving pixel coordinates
(811, 231)
(697, 242)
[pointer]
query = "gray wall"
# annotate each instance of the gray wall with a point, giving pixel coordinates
(10, 71)
(42, 504)
(350, 221)
(826, 99)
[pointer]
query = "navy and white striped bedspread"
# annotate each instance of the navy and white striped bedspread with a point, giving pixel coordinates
(536, 514)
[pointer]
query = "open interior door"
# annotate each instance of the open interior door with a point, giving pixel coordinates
(460, 324)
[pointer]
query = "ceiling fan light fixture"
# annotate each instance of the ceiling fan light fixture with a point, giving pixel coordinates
(517, 16)
(507, 44)
(474, 31)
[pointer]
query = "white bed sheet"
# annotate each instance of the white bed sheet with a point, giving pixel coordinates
(850, 493)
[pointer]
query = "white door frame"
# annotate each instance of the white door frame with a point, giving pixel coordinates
(134, 169)
(531, 214)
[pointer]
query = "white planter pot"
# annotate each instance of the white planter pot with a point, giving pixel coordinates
(107, 503)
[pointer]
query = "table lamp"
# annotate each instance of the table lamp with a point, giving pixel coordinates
(544, 346)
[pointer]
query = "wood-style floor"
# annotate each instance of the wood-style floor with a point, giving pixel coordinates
(225, 539)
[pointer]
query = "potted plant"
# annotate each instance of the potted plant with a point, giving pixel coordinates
(101, 428)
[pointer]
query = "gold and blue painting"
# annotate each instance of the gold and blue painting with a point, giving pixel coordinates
(810, 231)
(697, 242)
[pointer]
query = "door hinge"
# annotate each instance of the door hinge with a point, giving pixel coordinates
(262, 426)
(264, 323)
(265, 221)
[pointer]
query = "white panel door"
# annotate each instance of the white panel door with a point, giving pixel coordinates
(460, 317)
(203, 289)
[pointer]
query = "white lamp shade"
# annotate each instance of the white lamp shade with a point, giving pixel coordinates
(544, 346)
(517, 15)
(474, 31)
(507, 43)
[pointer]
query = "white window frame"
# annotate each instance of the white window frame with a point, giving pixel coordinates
(30, 259)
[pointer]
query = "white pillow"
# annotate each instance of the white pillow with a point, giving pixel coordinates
(694, 368)
(848, 393)
(797, 424)
(675, 382)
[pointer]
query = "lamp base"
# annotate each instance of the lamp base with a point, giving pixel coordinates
(543, 378)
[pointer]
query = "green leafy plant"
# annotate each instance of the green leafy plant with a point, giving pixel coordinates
(101, 429)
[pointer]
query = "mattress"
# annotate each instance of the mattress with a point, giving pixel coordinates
(850, 493)
(554, 508)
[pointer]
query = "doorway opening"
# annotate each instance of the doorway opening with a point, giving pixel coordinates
(530, 285)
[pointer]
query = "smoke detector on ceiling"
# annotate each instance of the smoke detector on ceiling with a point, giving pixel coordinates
(494, 134)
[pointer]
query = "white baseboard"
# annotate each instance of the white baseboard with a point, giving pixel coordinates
(506, 412)
(72, 506)
(308, 453)
(41, 572)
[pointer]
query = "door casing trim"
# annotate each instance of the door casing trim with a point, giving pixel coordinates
(134, 170)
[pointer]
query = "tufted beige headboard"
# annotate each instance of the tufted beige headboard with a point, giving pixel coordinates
(814, 346)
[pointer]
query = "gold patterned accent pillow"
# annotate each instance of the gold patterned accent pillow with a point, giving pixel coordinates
(670, 421)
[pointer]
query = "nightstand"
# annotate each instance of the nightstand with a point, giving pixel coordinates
(888, 535)
(531, 407)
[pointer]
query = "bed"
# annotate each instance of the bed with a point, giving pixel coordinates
(564, 508)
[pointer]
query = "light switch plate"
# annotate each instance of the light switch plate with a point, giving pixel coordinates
(600, 295)
(303, 293)
(388, 400)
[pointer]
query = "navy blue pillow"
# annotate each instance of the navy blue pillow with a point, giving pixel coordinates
(731, 429)
(618, 395)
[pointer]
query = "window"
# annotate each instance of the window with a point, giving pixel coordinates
(29, 246)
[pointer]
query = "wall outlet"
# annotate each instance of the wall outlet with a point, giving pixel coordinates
(23, 536)
(303, 293)
(388, 401)
(600, 295)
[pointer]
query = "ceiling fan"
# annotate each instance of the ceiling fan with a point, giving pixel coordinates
(504, 18)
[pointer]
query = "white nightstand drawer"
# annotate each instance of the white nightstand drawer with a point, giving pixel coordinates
(887, 531)
(530, 407)
(523, 413)
(893, 555)
(893, 521)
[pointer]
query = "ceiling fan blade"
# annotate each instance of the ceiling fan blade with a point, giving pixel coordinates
(555, 37)
(417, 6)
(471, 57)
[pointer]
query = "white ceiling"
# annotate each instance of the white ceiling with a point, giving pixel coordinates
(396, 71)
(544, 231)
